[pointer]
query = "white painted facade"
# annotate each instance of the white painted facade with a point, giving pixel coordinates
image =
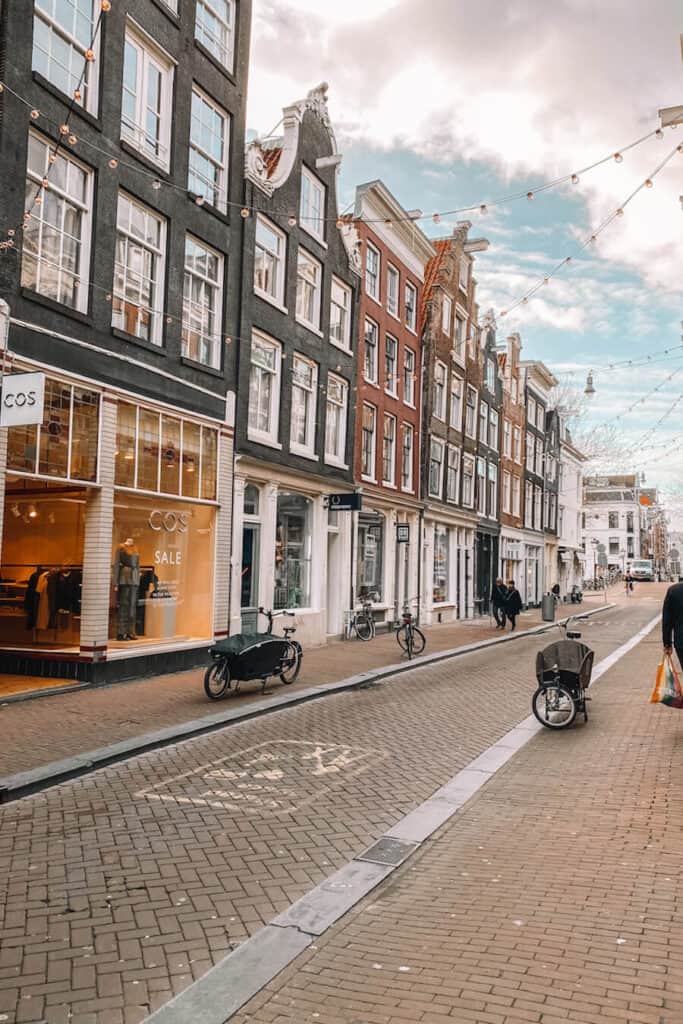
(612, 517)
(571, 557)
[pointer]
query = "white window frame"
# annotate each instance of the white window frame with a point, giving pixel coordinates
(409, 374)
(212, 341)
(221, 184)
(540, 417)
(446, 314)
(306, 448)
(492, 491)
(372, 459)
(468, 473)
(407, 430)
(155, 310)
(459, 336)
(493, 429)
(389, 481)
(410, 307)
(537, 507)
(516, 495)
(304, 256)
(373, 379)
(440, 390)
(481, 488)
(473, 432)
(517, 445)
(457, 384)
(529, 453)
(507, 492)
(337, 458)
(85, 208)
(393, 293)
(88, 87)
(223, 49)
(434, 444)
(507, 438)
(452, 473)
(312, 215)
(149, 55)
(278, 259)
(345, 343)
(483, 423)
(270, 436)
(391, 384)
(529, 506)
(372, 253)
(531, 410)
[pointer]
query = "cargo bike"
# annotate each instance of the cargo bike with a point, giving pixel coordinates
(250, 656)
(563, 672)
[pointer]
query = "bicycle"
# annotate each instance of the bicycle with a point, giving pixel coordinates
(563, 672)
(292, 666)
(363, 621)
(410, 637)
(249, 656)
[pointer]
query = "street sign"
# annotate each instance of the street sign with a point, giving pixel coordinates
(345, 502)
(23, 397)
(402, 533)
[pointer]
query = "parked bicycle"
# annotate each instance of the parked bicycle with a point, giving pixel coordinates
(362, 622)
(410, 637)
(249, 656)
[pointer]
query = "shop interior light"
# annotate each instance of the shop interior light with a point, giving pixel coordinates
(16, 512)
(190, 465)
(32, 511)
(130, 453)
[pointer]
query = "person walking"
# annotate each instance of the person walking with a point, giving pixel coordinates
(672, 621)
(513, 603)
(498, 598)
(628, 583)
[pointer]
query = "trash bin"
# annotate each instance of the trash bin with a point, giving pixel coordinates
(548, 608)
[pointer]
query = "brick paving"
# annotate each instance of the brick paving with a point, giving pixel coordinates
(122, 887)
(555, 896)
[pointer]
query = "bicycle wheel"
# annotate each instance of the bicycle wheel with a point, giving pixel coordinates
(364, 626)
(402, 637)
(217, 680)
(554, 707)
(292, 663)
(418, 641)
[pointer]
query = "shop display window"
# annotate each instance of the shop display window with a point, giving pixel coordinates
(293, 552)
(64, 445)
(440, 580)
(371, 556)
(42, 568)
(162, 571)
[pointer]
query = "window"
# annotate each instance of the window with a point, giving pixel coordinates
(530, 452)
(506, 492)
(531, 410)
(507, 439)
(202, 304)
(391, 365)
(264, 389)
(411, 306)
(613, 521)
(335, 419)
(490, 375)
(481, 486)
(493, 429)
(493, 491)
(436, 468)
(56, 248)
(409, 376)
(528, 505)
(516, 495)
(147, 98)
(407, 457)
(456, 403)
(540, 417)
(304, 395)
(539, 457)
(614, 545)
(440, 573)
(459, 347)
(340, 314)
(471, 413)
(269, 261)
(629, 522)
(139, 271)
(368, 441)
(468, 481)
(483, 422)
(552, 522)
(452, 471)
(370, 351)
(446, 314)
(312, 206)
(65, 443)
(370, 555)
(62, 33)
(293, 540)
(517, 446)
(440, 391)
(215, 29)
(392, 290)
(537, 507)
(207, 174)
(308, 290)
(372, 272)
(464, 273)
(389, 450)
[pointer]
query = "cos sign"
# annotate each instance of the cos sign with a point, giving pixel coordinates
(170, 522)
(23, 398)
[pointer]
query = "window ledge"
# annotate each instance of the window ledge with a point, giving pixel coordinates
(371, 383)
(410, 405)
(223, 68)
(57, 307)
(368, 479)
(443, 604)
(337, 463)
(270, 300)
(161, 170)
(214, 371)
(215, 211)
(311, 234)
(171, 15)
(83, 112)
(389, 485)
(391, 394)
(369, 295)
(407, 490)
(411, 329)
(264, 439)
(342, 348)
(304, 453)
(394, 316)
(310, 327)
(140, 342)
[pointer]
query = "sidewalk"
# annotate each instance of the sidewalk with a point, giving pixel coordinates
(554, 895)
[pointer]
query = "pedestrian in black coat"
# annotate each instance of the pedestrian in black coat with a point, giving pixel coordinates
(672, 620)
(513, 603)
(498, 598)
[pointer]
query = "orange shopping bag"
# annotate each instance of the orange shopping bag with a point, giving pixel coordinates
(667, 685)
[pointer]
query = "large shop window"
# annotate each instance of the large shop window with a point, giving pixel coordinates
(440, 579)
(293, 552)
(162, 570)
(64, 445)
(371, 556)
(155, 452)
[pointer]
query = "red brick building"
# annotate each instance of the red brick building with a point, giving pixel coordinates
(512, 537)
(394, 253)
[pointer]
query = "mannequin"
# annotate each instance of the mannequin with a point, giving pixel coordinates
(126, 583)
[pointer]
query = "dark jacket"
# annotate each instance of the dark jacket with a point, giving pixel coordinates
(498, 595)
(672, 617)
(513, 602)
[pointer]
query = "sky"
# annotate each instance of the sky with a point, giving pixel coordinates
(453, 103)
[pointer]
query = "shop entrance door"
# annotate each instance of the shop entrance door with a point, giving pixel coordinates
(334, 587)
(250, 567)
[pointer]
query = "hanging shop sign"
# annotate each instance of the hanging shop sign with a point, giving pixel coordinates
(402, 533)
(345, 502)
(23, 398)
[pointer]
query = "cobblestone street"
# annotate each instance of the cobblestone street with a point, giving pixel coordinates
(124, 886)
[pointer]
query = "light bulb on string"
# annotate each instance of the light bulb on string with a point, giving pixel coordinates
(52, 158)
(575, 179)
(35, 114)
(618, 158)
(659, 133)
(649, 183)
(2, 88)
(620, 212)
(436, 218)
(291, 221)
(77, 94)
(45, 183)
(340, 224)
(63, 129)
(199, 200)
(113, 163)
(10, 233)
(106, 6)
(156, 184)
(244, 212)
(483, 209)
(89, 55)
(73, 140)
(546, 280)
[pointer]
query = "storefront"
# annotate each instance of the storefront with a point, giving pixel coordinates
(487, 543)
(112, 527)
(448, 566)
(533, 574)
(386, 547)
(511, 556)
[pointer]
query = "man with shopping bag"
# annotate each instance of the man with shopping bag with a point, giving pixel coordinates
(672, 621)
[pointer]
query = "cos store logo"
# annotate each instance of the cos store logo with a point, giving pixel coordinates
(19, 399)
(170, 522)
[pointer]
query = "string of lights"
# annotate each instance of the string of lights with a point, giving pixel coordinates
(640, 401)
(633, 449)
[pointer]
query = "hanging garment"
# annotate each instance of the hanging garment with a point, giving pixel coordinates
(43, 614)
(31, 598)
